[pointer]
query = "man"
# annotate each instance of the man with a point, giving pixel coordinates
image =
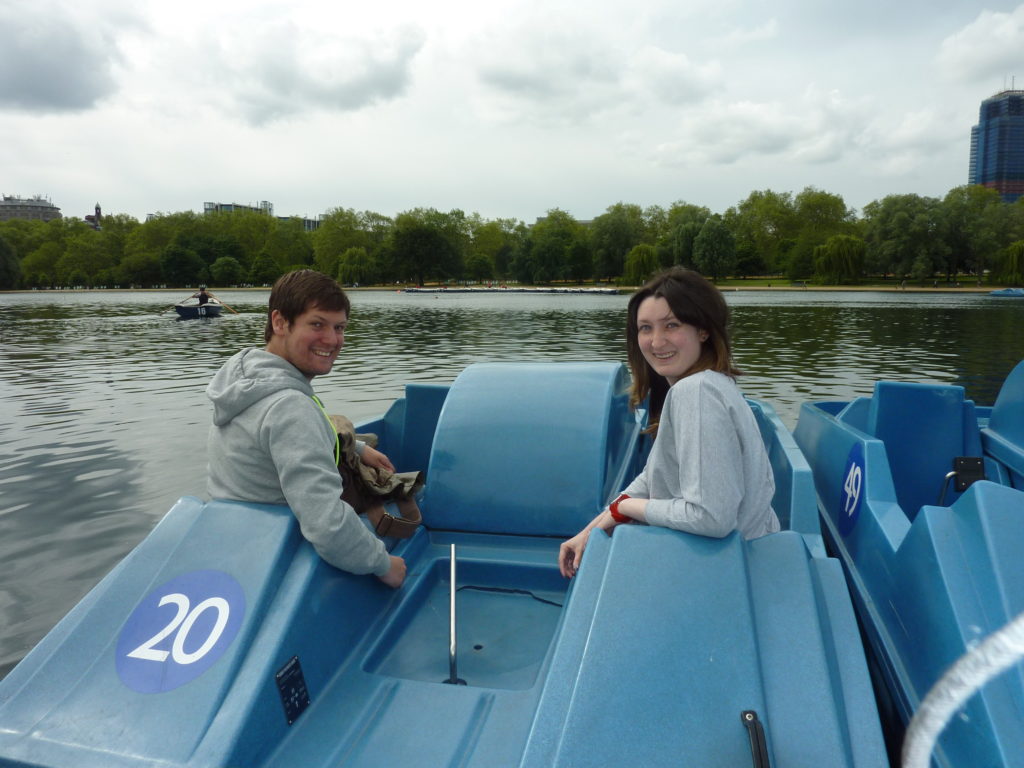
(271, 440)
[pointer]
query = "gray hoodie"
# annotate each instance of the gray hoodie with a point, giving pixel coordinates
(271, 443)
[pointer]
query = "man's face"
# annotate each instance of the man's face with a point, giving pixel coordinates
(312, 342)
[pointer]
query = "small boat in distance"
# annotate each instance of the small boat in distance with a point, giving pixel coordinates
(1008, 292)
(191, 311)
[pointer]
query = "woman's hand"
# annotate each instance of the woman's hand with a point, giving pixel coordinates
(571, 551)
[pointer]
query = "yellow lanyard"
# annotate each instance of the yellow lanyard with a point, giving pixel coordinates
(337, 440)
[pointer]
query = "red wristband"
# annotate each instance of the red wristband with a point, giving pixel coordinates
(617, 516)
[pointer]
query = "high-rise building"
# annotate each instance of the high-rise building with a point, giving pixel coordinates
(997, 145)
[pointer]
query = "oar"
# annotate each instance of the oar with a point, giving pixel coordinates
(223, 304)
(170, 307)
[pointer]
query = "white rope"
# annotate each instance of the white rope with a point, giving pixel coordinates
(971, 671)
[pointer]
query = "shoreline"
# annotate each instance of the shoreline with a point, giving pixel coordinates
(581, 289)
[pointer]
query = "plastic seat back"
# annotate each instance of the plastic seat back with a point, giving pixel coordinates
(528, 448)
(924, 427)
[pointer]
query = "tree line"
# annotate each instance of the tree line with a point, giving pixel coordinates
(810, 236)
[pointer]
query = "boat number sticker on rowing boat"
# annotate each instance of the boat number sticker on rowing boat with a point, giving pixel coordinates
(853, 490)
(179, 630)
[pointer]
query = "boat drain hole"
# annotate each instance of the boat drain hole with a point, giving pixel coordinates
(478, 647)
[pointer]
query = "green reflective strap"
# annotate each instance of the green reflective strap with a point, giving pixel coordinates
(337, 440)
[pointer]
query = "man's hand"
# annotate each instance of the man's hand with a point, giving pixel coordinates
(371, 457)
(396, 574)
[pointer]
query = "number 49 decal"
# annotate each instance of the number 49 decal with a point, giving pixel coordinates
(179, 630)
(853, 490)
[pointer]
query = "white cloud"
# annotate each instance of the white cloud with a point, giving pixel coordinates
(569, 70)
(819, 128)
(743, 35)
(668, 77)
(991, 46)
(283, 68)
(56, 57)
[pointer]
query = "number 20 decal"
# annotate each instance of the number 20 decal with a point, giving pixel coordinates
(179, 630)
(852, 497)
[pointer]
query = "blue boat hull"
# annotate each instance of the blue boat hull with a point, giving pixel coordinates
(194, 311)
(223, 639)
(928, 581)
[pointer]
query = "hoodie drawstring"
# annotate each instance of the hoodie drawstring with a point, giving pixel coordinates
(337, 440)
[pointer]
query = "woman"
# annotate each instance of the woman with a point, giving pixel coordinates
(708, 472)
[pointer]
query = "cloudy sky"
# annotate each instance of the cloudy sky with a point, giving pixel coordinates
(503, 107)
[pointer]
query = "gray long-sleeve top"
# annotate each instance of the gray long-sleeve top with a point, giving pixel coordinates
(271, 443)
(708, 471)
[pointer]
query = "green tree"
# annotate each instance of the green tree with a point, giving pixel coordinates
(180, 266)
(145, 245)
(642, 262)
(714, 250)
(479, 267)
(840, 260)
(612, 235)
(496, 240)
(764, 226)
(24, 235)
(289, 244)
(113, 238)
(357, 267)
(579, 260)
(340, 229)
(10, 267)
(819, 216)
(141, 269)
(420, 248)
(1011, 264)
(972, 228)
(902, 233)
(39, 268)
(682, 225)
(551, 239)
(226, 271)
(250, 229)
(264, 270)
(83, 259)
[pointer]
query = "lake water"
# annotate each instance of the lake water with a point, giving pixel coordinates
(104, 417)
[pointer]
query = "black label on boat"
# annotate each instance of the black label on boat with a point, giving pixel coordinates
(292, 687)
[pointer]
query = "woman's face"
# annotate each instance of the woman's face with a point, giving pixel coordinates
(669, 346)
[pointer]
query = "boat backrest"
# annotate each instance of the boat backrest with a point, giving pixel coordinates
(923, 427)
(794, 500)
(855, 413)
(1004, 435)
(529, 448)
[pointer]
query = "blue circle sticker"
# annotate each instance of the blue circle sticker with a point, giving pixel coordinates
(179, 630)
(853, 490)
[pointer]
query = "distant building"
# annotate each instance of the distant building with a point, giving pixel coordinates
(997, 145)
(36, 208)
(264, 206)
(95, 219)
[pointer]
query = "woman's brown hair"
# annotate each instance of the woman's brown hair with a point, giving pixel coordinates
(695, 300)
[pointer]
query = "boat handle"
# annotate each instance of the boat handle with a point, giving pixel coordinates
(758, 747)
